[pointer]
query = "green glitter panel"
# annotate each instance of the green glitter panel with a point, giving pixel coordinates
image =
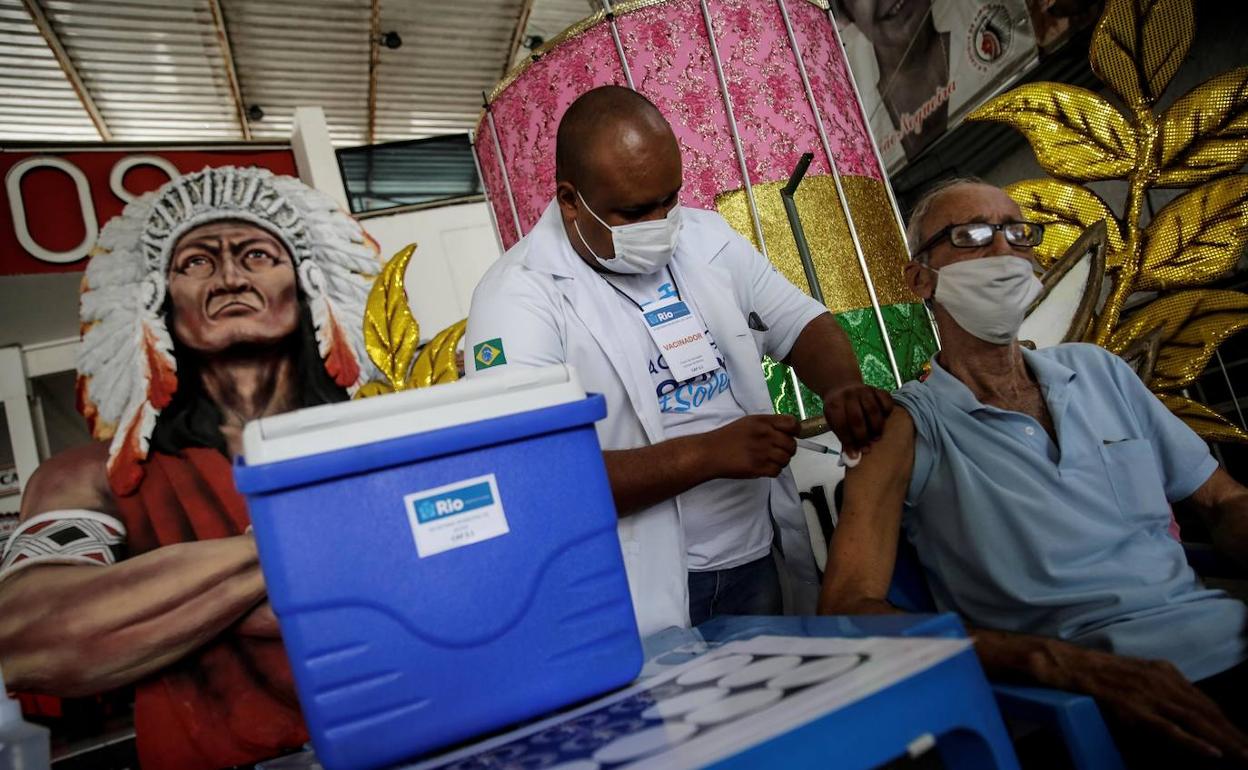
(913, 345)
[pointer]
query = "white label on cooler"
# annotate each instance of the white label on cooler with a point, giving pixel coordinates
(455, 515)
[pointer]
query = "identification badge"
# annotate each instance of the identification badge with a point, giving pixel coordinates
(681, 338)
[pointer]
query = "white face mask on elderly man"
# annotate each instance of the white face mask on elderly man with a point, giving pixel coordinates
(641, 248)
(989, 296)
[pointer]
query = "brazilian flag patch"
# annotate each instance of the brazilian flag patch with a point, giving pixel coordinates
(489, 353)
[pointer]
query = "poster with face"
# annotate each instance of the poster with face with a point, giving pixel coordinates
(922, 65)
(1055, 21)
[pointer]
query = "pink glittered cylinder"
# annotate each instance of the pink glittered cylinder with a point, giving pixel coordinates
(668, 53)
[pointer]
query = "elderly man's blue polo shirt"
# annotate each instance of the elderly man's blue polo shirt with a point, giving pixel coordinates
(1068, 540)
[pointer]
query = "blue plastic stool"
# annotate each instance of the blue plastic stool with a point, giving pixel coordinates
(1076, 718)
(950, 703)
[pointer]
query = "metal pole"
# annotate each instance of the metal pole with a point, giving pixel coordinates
(1215, 446)
(1231, 388)
(795, 224)
(35, 11)
(619, 46)
(840, 194)
(502, 164)
(732, 127)
(810, 94)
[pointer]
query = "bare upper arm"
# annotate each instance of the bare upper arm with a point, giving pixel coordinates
(863, 549)
(1215, 497)
(75, 478)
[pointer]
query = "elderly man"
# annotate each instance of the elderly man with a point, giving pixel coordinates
(226, 295)
(667, 312)
(1036, 487)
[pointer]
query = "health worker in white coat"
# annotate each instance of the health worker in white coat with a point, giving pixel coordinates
(667, 312)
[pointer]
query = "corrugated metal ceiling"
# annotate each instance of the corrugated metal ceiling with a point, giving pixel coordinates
(36, 99)
(153, 67)
(302, 54)
(452, 51)
(156, 70)
(550, 17)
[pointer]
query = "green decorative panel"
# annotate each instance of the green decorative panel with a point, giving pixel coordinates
(913, 345)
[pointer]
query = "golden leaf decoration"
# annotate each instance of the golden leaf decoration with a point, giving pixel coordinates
(1198, 237)
(391, 333)
(1138, 45)
(437, 362)
(1141, 354)
(1191, 325)
(374, 388)
(1065, 210)
(1075, 133)
(1205, 133)
(1207, 423)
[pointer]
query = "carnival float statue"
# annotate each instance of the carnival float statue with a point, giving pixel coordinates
(224, 296)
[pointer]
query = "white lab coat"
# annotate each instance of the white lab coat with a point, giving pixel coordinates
(547, 306)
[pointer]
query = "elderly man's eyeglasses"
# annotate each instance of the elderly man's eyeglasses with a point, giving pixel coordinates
(973, 235)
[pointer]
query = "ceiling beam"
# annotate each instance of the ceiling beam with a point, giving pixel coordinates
(67, 66)
(374, 61)
(517, 37)
(231, 74)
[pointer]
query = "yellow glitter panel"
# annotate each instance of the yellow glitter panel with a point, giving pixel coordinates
(437, 362)
(1207, 423)
(1202, 134)
(391, 333)
(1191, 325)
(836, 264)
(392, 336)
(1065, 210)
(1075, 133)
(1139, 44)
(1197, 238)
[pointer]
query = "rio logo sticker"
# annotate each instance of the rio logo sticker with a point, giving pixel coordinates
(455, 515)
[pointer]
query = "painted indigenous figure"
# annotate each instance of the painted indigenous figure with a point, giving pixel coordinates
(224, 296)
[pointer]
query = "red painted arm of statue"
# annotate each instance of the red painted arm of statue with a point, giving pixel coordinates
(77, 630)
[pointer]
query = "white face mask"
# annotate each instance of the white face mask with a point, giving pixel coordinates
(989, 296)
(641, 248)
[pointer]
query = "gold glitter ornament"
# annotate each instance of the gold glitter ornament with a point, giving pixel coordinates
(1197, 238)
(832, 249)
(1076, 134)
(1066, 211)
(437, 362)
(1139, 44)
(1200, 142)
(1201, 136)
(392, 336)
(1200, 418)
(1191, 325)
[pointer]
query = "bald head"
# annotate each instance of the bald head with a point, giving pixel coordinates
(616, 163)
(603, 124)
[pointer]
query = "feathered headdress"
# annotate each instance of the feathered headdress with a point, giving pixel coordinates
(126, 370)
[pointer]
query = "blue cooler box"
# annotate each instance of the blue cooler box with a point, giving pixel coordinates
(443, 562)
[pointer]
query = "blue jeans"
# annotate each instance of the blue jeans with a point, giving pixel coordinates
(750, 589)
